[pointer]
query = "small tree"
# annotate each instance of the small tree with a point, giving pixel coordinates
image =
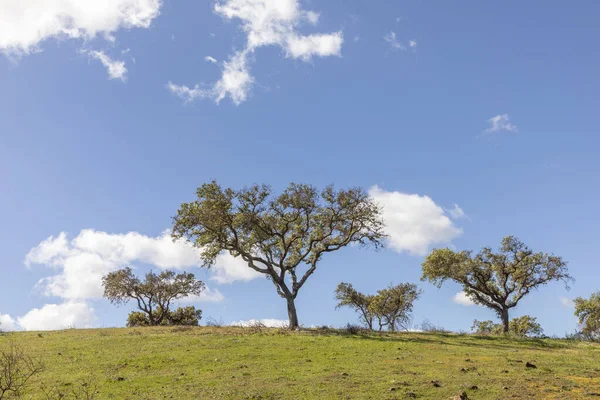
(525, 326)
(521, 326)
(283, 237)
(588, 313)
(496, 280)
(486, 328)
(390, 307)
(347, 296)
(154, 294)
(393, 305)
(16, 370)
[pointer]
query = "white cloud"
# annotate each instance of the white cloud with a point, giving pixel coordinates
(565, 301)
(391, 39)
(208, 295)
(82, 261)
(229, 269)
(462, 299)
(268, 322)
(501, 122)
(25, 24)
(71, 314)
(116, 69)
(412, 44)
(414, 223)
(456, 212)
(266, 23)
(210, 59)
(7, 323)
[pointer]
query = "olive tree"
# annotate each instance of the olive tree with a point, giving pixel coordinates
(588, 313)
(521, 326)
(154, 294)
(390, 307)
(347, 296)
(393, 305)
(497, 280)
(281, 236)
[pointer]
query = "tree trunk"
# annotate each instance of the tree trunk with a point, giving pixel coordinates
(504, 317)
(293, 316)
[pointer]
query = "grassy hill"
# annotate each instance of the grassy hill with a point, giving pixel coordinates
(244, 363)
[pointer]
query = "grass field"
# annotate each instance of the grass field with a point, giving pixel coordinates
(240, 363)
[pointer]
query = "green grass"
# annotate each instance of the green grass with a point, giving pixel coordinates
(237, 363)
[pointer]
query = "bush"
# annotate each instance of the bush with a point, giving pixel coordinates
(16, 370)
(525, 326)
(428, 326)
(183, 316)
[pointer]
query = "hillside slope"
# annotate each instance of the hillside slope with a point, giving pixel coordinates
(237, 363)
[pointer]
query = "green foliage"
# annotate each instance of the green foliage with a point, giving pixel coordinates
(347, 296)
(524, 326)
(390, 307)
(281, 236)
(588, 313)
(153, 295)
(496, 280)
(182, 316)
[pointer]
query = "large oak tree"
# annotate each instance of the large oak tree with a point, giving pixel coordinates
(281, 236)
(496, 280)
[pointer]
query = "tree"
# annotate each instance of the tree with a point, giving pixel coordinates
(588, 313)
(521, 326)
(496, 280)
(283, 237)
(17, 368)
(390, 307)
(525, 325)
(154, 294)
(185, 316)
(347, 296)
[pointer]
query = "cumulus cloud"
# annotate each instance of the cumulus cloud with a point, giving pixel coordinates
(81, 262)
(25, 24)
(116, 69)
(7, 323)
(210, 59)
(414, 223)
(501, 122)
(71, 314)
(265, 23)
(268, 322)
(229, 269)
(412, 44)
(208, 295)
(462, 299)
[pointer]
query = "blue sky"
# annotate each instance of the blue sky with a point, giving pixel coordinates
(334, 99)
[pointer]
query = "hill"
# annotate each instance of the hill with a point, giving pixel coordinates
(247, 363)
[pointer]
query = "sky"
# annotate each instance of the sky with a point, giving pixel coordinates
(467, 121)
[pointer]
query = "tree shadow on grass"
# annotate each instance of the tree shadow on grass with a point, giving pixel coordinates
(449, 339)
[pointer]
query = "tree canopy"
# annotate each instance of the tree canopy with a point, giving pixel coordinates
(588, 313)
(281, 236)
(154, 294)
(498, 280)
(390, 307)
(521, 326)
